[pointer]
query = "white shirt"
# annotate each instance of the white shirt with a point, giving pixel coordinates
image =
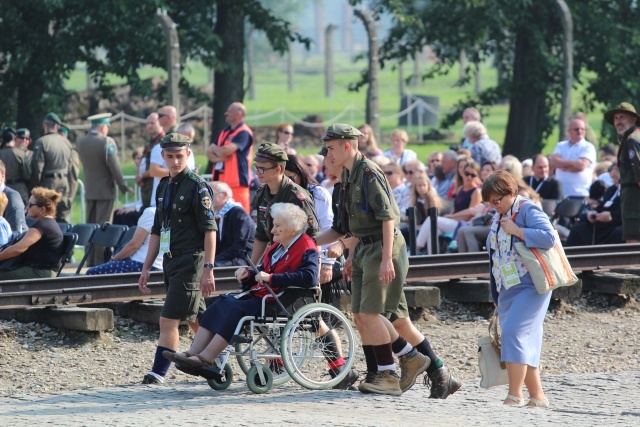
(146, 222)
(156, 157)
(576, 183)
(402, 194)
(407, 156)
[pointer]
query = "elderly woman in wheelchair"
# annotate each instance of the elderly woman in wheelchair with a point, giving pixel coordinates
(292, 261)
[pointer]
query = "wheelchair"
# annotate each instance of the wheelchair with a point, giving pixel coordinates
(286, 342)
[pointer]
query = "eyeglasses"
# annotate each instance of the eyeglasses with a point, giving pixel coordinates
(407, 172)
(160, 115)
(496, 202)
(388, 173)
(286, 132)
(578, 129)
(262, 170)
(434, 161)
(469, 174)
(310, 165)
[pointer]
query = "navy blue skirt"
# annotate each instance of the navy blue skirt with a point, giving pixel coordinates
(222, 316)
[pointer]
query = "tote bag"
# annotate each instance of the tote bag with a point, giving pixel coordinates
(492, 371)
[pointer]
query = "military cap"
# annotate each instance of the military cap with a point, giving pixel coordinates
(8, 134)
(100, 119)
(53, 118)
(341, 131)
(623, 107)
(63, 130)
(323, 151)
(175, 141)
(270, 152)
(23, 133)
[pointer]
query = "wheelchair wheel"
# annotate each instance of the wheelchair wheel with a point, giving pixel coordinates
(224, 382)
(254, 383)
(308, 365)
(268, 342)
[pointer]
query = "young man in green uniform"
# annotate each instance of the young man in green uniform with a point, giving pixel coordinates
(184, 230)
(368, 211)
(625, 119)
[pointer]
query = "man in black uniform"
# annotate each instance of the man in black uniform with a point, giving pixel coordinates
(269, 164)
(184, 230)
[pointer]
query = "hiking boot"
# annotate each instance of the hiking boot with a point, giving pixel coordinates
(151, 379)
(442, 383)
(385, 382)
(412, 364)
(347, 381)
(369, 377)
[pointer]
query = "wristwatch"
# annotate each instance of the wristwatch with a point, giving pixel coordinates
(208, 265)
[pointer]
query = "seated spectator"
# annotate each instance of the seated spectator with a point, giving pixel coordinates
(40, 249)
(547, 187)
(461, 161)
(487, 168)
(128, 214)
(608, 152)
(601, 225)
(292, 260)
(380, 160)
(435, 159)
(132, 255)
(449, 164)
(423, 197)
(527, 167)
(400, 189)
(14, 213)
(601, 171)
(314, 167)
(284, 137)
(5, 228)
(482, 147)
(367, 142)
(398, 152)
(235, 227)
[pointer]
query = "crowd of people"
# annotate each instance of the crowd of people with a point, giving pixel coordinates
(347, 206)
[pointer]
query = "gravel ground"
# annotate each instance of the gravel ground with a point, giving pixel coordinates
(599, 333)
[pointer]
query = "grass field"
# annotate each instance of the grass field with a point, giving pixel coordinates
(308, 98)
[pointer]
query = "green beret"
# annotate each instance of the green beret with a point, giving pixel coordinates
(341, 131)
(23, 133)
(63, 130)
(100, 119)
(53, 118)
(270, 152)
(175, 141)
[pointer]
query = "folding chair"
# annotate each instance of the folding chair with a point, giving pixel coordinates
(64, 227)
(68, 245)
(84, 232)
(108, 235)
(549, 207)
(128, 235)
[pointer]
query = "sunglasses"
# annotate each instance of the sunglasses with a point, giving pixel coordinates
(407, 172)
(286, 132)
(160, 115)
(388, 173)
(31, 204)
(469, 174)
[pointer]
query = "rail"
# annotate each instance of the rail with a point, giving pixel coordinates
(69, 290)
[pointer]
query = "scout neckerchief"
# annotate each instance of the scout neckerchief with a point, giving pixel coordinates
(222, 212)
(502, 251)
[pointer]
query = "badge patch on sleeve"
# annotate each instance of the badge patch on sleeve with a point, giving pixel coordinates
(300, 196)
(206, 202)
(632, 154)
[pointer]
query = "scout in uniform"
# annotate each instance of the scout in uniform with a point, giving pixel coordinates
(50, 164)
(269, 165)
(625, 119)
(368, 211)
(184, 230)
(99, 156)
(16, 163)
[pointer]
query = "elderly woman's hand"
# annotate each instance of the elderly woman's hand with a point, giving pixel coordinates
(511, 228)
(241, 274)
(263, 277)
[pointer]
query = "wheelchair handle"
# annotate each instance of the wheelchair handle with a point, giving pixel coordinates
(266, 285)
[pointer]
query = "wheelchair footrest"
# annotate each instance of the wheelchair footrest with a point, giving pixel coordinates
(204, 372)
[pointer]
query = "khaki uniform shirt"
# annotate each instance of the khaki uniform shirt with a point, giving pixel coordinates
(188, 207)
(18, 170)
(628, 157)
(289, 192)
(367, 200)
(99, 157)
(50, 163)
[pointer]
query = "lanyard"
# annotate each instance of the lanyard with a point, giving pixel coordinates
(168, 194)
(539, 185)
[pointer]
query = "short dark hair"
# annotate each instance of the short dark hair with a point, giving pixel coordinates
(499, 183)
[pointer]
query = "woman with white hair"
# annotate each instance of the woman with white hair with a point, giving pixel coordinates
(292, 260)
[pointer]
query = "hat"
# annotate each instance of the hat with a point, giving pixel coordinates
(174, 142)
(23, 133)
(623, 107)
(270, 152)
(8, 134)
(323, 151)
(63, 130)
(53, 118)
(100, 119)
(341, 131)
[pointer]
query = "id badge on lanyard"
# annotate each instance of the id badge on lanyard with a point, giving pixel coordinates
(509, 275)
(165, 240)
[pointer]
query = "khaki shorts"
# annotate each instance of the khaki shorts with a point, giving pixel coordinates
(182, 281)
(368, 294)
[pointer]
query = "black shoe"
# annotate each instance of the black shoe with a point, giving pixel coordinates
(150, 379)
(442, 383)
(347, 382)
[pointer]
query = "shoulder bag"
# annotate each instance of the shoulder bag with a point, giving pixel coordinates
(492, 371)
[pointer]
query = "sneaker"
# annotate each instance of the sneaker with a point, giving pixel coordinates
(369, 377)
(442, 383)
(385, 382)
(347, 382)
(412, 364)
(151, 379)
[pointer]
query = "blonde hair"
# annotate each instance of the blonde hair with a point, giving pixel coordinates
(431, 200)
(402, 134)
(4, 201)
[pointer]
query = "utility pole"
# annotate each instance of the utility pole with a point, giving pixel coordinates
(173, 57)
(372, 115)
(328, 60)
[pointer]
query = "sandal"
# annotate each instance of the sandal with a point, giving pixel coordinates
(538, 403)
(188, 362)
(519, 400)
(171, 355)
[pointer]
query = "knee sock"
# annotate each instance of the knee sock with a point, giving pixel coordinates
(330, 351)
(370, 359)
(160, 364)
(425, 348)
(401, 347)
(384, 356)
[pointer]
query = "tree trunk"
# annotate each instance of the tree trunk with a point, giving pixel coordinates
(319, 12)
(290, 69)
(415, 78)
(567, 65)
(347, 33)
(250, 68)
(401, 78)
(477, 80)
(328, 61)
(527, 106)
(173, 58)
(372, 116)
(228, 78)
(463, 65)
(29, 113)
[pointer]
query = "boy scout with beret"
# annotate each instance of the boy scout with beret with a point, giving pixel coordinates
(269, 164)
(368, 211)
(184, 230)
